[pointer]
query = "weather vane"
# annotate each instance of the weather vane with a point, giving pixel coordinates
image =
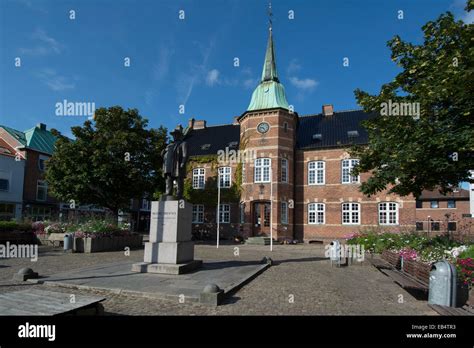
(270, 14)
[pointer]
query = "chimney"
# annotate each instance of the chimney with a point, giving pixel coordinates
(236, 120)
(199, 124)
(328, 110)
(41, 126)
(191, 123)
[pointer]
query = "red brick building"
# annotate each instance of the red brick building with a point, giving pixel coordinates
(437, 213)
(295, 176)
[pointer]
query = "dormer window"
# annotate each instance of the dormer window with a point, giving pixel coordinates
(352, 134)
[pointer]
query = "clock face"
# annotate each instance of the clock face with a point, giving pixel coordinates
(263, 127)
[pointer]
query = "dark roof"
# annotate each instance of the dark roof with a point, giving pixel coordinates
(333, 129)
(218, 138)
(460, 194)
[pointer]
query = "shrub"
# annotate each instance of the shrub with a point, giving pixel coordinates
(6, 226)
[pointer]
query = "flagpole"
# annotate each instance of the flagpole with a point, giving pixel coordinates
(271, 208)
(218, 204)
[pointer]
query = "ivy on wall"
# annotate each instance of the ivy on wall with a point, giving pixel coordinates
(208, 195)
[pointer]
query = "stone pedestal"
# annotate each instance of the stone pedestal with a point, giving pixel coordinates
(170, 249)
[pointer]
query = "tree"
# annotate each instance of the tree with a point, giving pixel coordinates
(108, 163)
(409, 154)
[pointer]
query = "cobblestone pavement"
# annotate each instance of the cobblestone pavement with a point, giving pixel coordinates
(301, 282)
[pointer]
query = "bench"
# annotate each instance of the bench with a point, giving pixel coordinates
(405, 281)
(444, 310)
(379, 263)
(45, 302)
(392, 258)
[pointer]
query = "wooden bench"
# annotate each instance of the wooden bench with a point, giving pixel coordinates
(405, 281)
(379, 263)
(45, 302)
(444, 310)
(392, 258)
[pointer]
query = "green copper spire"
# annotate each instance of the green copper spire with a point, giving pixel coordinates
(269, 72)
(270, 93)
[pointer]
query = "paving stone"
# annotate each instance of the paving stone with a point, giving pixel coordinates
(297, 270)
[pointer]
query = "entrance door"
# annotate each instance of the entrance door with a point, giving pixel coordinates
(261, 218)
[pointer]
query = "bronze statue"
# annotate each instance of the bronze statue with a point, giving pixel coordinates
(175, 156)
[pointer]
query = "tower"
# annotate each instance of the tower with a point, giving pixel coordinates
(268, 130)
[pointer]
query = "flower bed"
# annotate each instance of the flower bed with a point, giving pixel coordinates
(419, 253)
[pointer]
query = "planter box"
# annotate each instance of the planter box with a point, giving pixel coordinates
(418, 270)
(92, 245)
(392, 258)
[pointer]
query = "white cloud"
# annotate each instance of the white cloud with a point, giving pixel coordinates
(293, 67)
(186, 80)
(55, 81)
(162, 66)
(250, 83)
(212, 77)
(303, 84)
(47, 44)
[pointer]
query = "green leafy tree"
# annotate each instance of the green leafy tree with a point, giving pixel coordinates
(110, 162)
(409, 154)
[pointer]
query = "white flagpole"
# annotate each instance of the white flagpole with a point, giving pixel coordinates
(218, 204)
(271, 208)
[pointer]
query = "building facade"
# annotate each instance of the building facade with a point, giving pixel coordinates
(291, 175)
(437, 213)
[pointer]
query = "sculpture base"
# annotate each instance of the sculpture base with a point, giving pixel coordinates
(166, 268)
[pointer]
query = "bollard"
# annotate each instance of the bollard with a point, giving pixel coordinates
(335, 253)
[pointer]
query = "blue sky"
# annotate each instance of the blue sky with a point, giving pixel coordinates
(190, 61)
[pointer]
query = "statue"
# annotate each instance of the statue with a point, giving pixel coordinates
(175, 156)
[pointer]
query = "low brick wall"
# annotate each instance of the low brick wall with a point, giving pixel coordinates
(92, 245)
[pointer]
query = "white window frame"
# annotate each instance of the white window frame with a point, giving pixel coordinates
(346, 168)
(262, 171)
(316, 173)
(199, 178)
(316, 213)
(284, 212)
(198, 214)
(225, 177)
(224, 214)
(388, 213)
(350, 210)
(284, 170)
(43, 184)
(244, 179)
